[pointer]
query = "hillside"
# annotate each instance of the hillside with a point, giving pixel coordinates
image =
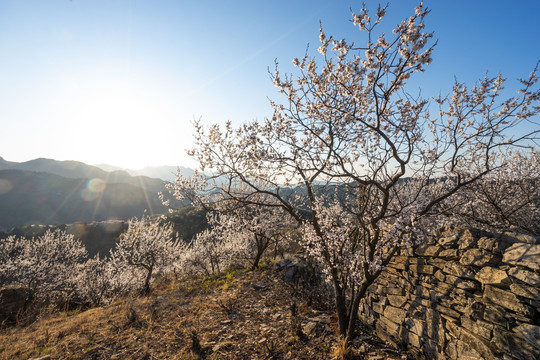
(236, 315)
(42, 198)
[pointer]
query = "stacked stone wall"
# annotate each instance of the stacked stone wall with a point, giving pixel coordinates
(466, 295)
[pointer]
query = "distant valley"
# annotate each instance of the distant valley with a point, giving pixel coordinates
(46, 191)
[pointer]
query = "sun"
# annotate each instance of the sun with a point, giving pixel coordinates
(116, 119)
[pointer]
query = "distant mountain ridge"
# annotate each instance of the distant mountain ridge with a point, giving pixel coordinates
(164, 172)
(46, 191)
(79, 170)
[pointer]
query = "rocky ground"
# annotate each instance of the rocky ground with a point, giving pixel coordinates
(238, 314)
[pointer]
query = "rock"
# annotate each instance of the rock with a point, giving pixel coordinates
(523, 254)
(449, 254)
(395, 314)
(515, 237)
(481, 329)
(507, 300)
(458, 270)
(13, 300)
(476, 257)
(511, 343)
(316, 326)
(290, 273)
(526, 291)
(427, 250)
(489, 275)
(422, 269)
(530, 333)
(397, 300)
(283, 263)
(490, 244)
(439, 275)
(259, 286)
(526, 276)
(482, 347)
(467, 239)
(448, 241)
(475, 310)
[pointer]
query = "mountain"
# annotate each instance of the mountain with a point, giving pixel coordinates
(167, 173)
(28, 197)
(79, 170)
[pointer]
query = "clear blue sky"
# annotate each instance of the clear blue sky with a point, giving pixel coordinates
(120, 81)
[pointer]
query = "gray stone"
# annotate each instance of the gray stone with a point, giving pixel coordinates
(422, 269)
(458, 270)
(506, 299)
(511, 343)
(427, 250)
(13, 300)
(448, 241)
(415, 325)
(523, 254)
(531, 333)
(482, 347)
(526, 276)
(490, 244)
(515, 237)
(476, 257)
(316, 326)
(395, 314)
(259, 286)
(450, 254)
(397, 300)
(526, 291)
(490, 275)
(283, 263)
(467, 239)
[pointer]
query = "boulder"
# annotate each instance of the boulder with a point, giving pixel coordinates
(13, 301)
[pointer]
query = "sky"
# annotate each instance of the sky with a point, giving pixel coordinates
(121, 81)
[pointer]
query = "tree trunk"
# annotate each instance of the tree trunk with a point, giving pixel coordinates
(262, 245)
(146, 289)
(341, 311)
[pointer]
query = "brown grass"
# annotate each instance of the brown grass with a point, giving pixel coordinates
(222, 317)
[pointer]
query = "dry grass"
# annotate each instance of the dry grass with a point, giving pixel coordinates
(223, 317)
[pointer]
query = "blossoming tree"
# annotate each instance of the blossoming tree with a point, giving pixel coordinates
(146, 247)
(357, 160)
(254, 227)
(506, 198)
(47, 265)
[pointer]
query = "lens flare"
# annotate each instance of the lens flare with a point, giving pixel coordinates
(96, 185)
(93, 189)
(5, 186)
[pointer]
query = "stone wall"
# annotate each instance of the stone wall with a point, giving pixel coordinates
(468, 295)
